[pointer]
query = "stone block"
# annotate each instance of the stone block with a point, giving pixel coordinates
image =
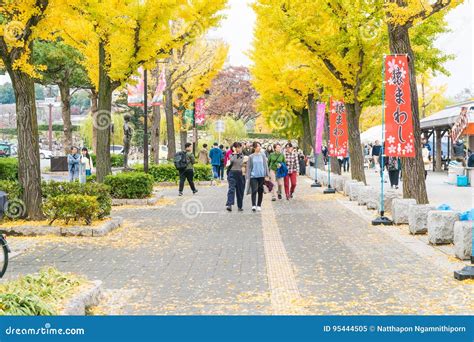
(354, 190)
(418, 218)
(463, 239)
(400, 207)
(363, 194)
(347, 185)
(441, 226)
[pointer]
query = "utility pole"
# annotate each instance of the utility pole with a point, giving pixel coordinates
(145, 128)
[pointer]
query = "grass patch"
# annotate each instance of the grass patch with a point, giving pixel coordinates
(39, 294)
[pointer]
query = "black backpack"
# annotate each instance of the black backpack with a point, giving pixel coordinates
(181, 160)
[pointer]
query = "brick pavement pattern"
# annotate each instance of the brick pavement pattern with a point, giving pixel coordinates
(310, 255)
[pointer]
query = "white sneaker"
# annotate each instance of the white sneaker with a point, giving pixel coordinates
(259, 208)
(254, 208)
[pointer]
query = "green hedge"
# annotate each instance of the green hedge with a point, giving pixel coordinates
(116, 160)
(262, 135)
(168, 173)
(100, 191)
(12, 188)
(71, 207)
(130, 185)
(42, 128)
(8, 169)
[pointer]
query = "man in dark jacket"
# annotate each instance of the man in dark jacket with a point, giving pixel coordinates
(188, 173)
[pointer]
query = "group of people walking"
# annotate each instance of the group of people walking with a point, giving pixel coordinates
(252, 170)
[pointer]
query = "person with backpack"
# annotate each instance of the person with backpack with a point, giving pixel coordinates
(184, 162)
(257, 172)
(275, 162)
(235, 178)
(293, 165)
(222, 165)
(215, 155)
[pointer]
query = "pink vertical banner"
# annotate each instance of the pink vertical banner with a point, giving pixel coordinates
(321, 108)
(200, 111)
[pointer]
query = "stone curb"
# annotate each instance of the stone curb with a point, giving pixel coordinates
(101, 230)
(137, 201)
(76, 306)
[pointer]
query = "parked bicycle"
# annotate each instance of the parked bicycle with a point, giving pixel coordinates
(3, 255)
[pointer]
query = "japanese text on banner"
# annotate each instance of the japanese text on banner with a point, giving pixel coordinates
(399, 141)
(338, 143)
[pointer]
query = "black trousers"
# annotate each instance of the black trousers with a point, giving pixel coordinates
(187, 174)
(256, 185)
(236, 188)
(394, 176)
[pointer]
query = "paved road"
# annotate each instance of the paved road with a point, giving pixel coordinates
(310, 255)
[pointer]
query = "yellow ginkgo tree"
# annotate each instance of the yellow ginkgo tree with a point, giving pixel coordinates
(402, 16)
(117, 37)
(21, 22)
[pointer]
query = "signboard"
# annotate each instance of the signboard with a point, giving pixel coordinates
(460, 124)
(338, 137)
(399, 139)
(200, 111)
(320, 111)
(136, 92)
(160, 88)
(220, 126)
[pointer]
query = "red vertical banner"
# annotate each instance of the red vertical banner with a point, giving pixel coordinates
(200, 111)
(338, 135)
(399, 138)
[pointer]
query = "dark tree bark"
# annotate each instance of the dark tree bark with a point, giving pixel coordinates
(66, 115)
(306, 132)
(94, 100)
(103, 118)
(355, 146)
(333, 163)
(413, 170)
(438, 151)
(169, 117)
(29, 171)
(155, 134)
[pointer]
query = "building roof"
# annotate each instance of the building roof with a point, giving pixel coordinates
(448, 116)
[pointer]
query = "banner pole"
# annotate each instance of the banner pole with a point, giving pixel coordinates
(316, 184)
(382, 220)
(329, 190)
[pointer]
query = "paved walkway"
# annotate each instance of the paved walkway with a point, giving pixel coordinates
(311, 255)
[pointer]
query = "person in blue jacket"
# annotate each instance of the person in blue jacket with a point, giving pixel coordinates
(215, 155)
(73, 160)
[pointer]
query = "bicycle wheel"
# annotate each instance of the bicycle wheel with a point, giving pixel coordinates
(3, 257)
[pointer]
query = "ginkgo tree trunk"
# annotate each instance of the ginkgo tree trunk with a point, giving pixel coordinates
(20, 22)
(401, 16)
(127, 35)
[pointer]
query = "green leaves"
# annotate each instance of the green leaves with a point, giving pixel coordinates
(130, 185)
(71, 207)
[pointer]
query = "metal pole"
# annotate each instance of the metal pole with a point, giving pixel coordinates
(194, 129)
(316, 184)
(382, 219)
(145, 128)
(50, 128)
(329, 190)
